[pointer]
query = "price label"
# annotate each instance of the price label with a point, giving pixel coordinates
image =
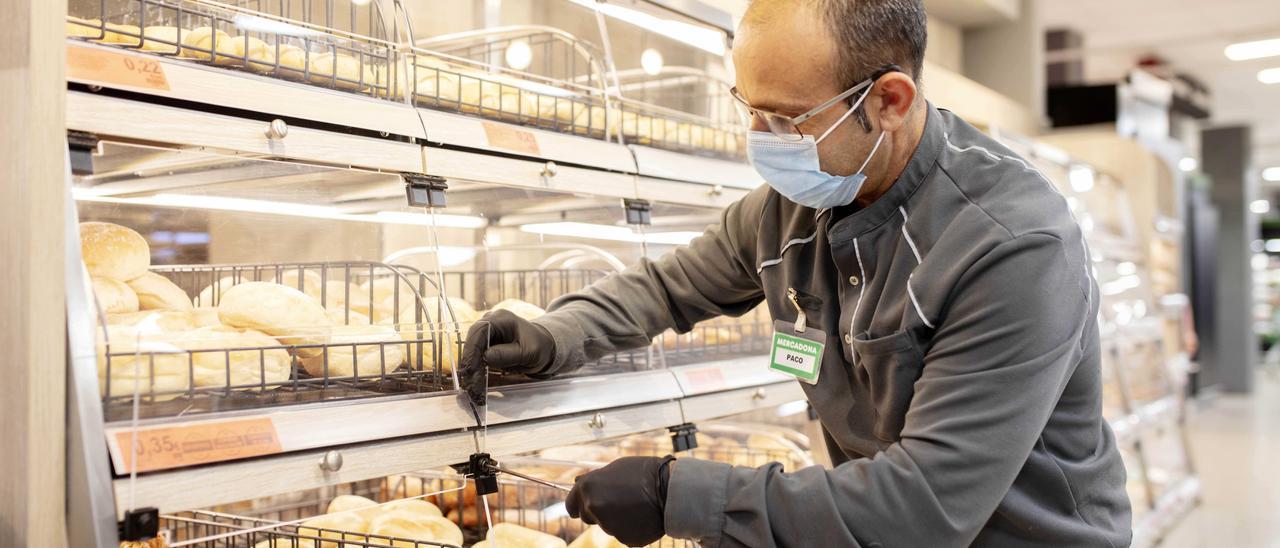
(115, 68)
(173, 447)
(510, 138)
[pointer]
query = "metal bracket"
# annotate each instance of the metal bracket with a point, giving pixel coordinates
(637, 211)
(424, 190)
(684, 437)
(139, 525)
(483, 470)
(82, 146)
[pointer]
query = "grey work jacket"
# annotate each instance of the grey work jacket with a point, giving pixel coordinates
(960, 389)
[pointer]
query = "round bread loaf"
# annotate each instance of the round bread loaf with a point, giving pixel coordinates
(357, 350)
(417, 507)
(344, 503)
(595, 537)
(520, 308)
(217, 363)
(114, 297)
(141, 359)
(285, 313)
(332, 526)
(410, 526)
(113, 251)
(512, 535)
(157, 292)
(170, 321)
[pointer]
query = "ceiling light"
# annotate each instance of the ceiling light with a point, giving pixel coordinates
(608, 232)
(1270, 76)
(651, 61)
(1273, 246)
(1260, 206)
(1081, 178)
(519, 55)
(1271, 174)
(708, 40)
(1188, 164)
(1245, 51)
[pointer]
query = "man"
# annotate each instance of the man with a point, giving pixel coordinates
(959, 386)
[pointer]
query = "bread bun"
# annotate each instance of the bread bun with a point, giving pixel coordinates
(162, 40)
(141, 359)
(293, 59)
(595, 537)
(157, 292)
(540, 521)
(212, 293)
(282, 312)
(511, 535)
(114, 297)
(306, 281)
(127, 35)
(332, 526)
(385, 290)
(83, 28)
(285, 542)
(467, 516)
(338, 316)
(342, 71)
(344, 503)
(458, 316)
(356, 350)
(169, 321)
(339, 295)
(415, 527)
(414, 507)
(205, 316)
(113, 251)
(520, 308)
(203, 38)
(216, 363)
(260, 56)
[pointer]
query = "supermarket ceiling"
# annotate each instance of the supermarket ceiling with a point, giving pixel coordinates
(1191, 35)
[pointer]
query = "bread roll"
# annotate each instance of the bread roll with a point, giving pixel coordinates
(414, 527)
(458, 316)
(126, 35)
(83, 28)
(332, 526)
(343, 503)
(539, 521)
(306, 281)
(169, 321)
(162, 40)
(414, 507)
(506, 535)
(467, 516)
(282, 312)
(338, 316)
(205, 316)
(141, 359)
(339, 295)
(200, 44)
(357, 350)
(595, 537)
(113, 251)
(215, 363)
(157, 292)
(386, 289)
(293, 59)
(260, 56)
(342, 71)
(285, 542)
(212, 293)
(114, 297)
(520, 308)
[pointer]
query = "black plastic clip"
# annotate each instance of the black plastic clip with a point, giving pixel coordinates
(82, 147)
(637, 211)
(482, 469)
(684, 437)
(811, 412)
(139, 525)
(424, 190)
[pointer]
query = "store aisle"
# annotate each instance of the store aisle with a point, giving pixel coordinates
(1235, 441)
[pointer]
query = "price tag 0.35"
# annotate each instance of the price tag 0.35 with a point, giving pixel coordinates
(797, 353)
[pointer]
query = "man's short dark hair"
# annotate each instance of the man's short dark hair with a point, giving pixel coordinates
(870, 34)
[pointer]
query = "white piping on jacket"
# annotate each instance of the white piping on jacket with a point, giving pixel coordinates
(795, 241)
(862, 287)
(914, 251)
(912, 294)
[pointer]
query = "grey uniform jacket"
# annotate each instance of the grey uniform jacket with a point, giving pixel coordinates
(960, 389)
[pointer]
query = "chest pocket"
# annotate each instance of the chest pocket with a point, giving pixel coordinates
(889, 366)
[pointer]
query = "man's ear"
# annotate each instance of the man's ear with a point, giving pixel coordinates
(891, 100)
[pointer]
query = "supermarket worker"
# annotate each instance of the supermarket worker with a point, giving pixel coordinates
(945, 282)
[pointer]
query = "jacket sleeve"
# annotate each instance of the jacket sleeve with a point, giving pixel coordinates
(1000, 358)
(713, 276)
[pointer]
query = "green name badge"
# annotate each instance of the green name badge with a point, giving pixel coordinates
(797, 353)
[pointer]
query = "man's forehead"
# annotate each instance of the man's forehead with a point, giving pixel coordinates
(783, 57)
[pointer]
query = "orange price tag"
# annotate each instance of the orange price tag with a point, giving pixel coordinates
(115, 68)
(504, 136)
(705, 379)
(162, 448)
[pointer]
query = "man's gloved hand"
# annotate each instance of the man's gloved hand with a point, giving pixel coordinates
(627, 498)
(504, 342)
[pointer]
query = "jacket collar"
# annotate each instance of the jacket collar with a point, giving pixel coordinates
(885, 208)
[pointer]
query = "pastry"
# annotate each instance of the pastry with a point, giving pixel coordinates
(509, 535)
(415, 527)
(216, 362)
(114, 251)
(113, 296)
(356, 350)
(282, 312)
(157, 292)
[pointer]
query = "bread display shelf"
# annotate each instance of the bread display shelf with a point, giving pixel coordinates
(220, 531)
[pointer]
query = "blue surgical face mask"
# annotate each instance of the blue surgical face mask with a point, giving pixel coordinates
(793, 169)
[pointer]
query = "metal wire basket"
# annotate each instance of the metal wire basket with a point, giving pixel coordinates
(220, 530)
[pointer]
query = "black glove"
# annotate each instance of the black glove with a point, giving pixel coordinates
(504, 342)
(627, 498)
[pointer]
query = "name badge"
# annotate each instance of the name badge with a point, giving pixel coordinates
(797, 353)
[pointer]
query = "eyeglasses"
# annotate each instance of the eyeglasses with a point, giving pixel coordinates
(785, 126)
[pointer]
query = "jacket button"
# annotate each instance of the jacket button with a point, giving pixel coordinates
(848, 338)
(853, 281)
